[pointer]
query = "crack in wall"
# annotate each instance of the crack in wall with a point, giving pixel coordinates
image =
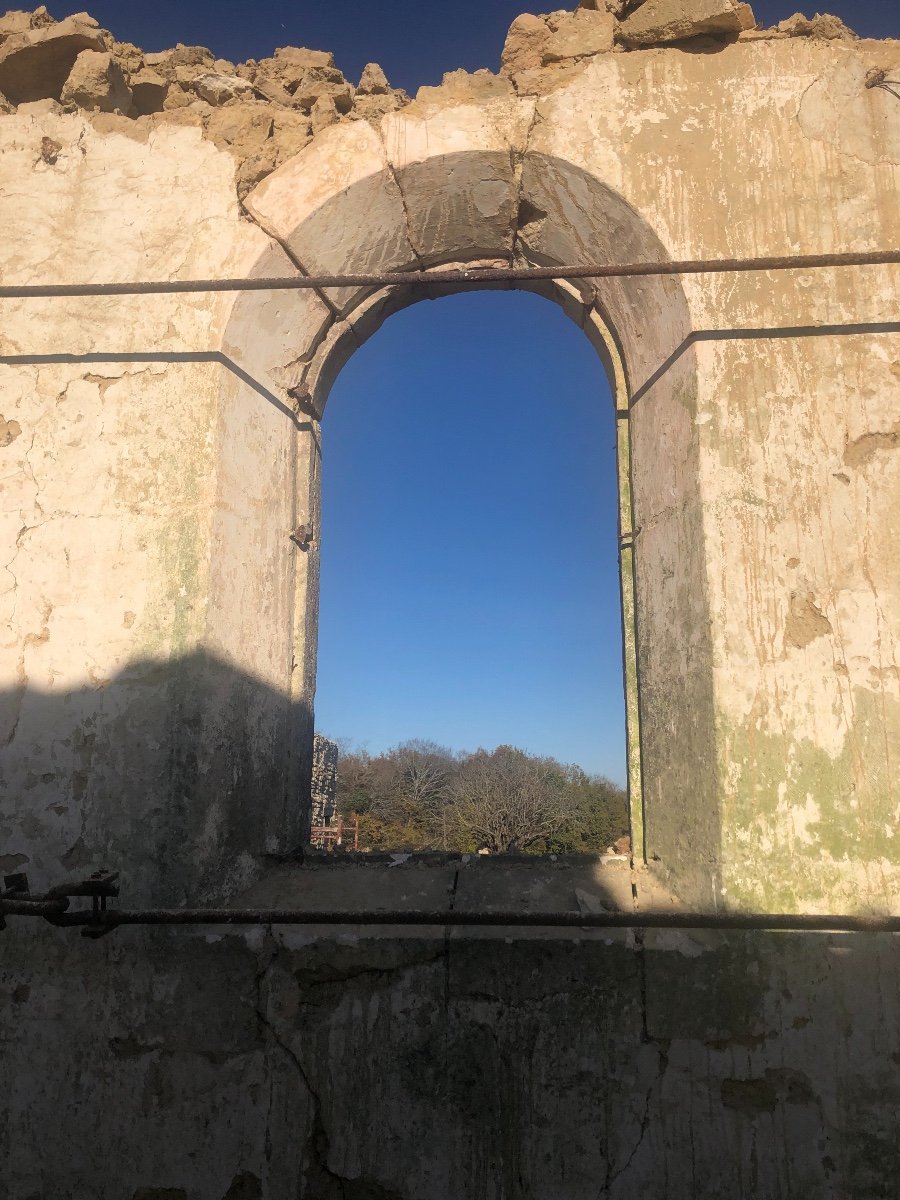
(406, 217)
(315, 1176)
(289, 254)
(616, 1174)
(517, 246)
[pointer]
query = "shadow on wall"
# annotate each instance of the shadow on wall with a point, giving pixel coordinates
(180, 774)
(721, 1066)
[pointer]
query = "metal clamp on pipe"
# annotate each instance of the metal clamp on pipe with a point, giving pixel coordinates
(17, 900)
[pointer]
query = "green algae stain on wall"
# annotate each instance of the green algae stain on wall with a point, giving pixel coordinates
(794, 818)
(178, 544)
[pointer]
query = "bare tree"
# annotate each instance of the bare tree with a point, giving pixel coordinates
(424, 772)
(422, 796)
(508, 800)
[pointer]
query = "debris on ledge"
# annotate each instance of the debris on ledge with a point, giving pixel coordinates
(264, 111)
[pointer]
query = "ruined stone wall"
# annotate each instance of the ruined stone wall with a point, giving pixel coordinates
(324, 779)
(160, 464)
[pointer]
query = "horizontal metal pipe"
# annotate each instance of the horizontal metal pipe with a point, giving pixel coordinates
(716, 266)
(111, 918)
(33, 908)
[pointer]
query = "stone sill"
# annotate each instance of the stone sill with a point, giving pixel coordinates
(464, 883)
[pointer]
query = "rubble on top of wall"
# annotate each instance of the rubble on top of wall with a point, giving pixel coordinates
(538, 47)
(264, 111)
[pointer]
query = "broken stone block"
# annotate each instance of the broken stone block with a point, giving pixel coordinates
(523, 49)
(219, 89)
(323, 113)
(14, 22)
(747, 19)
(290, 65)
(271, 89)
(129, 57)
(35, 65)
(660, 21)
(97, 83)
(253, 169)
(187, 117)
(553, 20)
(177, 96)
(40, 108)
(373, 108)
(181, 64)
(5, 106)
(474, 85)
(242, 127)
(148, 91)
(41, 17)
(822, 25)
(312, 89)
(373, 81)
(543, 80)
(583, 33)
(291, 131)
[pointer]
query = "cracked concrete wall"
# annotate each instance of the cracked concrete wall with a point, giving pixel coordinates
(157, 454)
(286, 1066)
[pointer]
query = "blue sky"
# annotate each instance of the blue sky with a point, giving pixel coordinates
(469, 539)
(469, 585)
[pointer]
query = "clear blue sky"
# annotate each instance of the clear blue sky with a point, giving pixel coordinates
(469, 588)
(469, 539)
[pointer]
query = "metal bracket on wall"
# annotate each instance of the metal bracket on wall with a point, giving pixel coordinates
(879, 79)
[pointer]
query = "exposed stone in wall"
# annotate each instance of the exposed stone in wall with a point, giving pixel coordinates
(542, 52)
(97, 81)
(675, 20)
(324, 779)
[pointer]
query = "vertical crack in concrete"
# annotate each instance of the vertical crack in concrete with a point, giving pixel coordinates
(662, 1046)
(409, 235)
(290, 255)
(613, 1176)
(448, 933)
(318, 1143)
(517, 247)
(326, 1183)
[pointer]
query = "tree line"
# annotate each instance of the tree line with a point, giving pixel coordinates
(422, 796)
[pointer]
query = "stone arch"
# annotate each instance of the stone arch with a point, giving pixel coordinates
(467, 193)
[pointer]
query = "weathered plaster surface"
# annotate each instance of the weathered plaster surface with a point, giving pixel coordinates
(644, 155)
(451, 1067)
(156, 454)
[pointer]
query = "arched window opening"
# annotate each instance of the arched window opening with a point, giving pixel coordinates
(470, 631)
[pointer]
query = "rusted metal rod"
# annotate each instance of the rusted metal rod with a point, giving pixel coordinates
(108, 919)
(478, 275)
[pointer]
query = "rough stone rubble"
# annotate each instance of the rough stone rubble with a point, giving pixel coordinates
(324, 779)
(264, 111)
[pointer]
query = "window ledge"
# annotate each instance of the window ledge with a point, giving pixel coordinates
(437, 882)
